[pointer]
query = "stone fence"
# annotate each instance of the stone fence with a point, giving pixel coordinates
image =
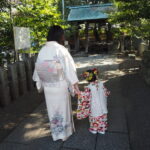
(146, 66)
(16, 80)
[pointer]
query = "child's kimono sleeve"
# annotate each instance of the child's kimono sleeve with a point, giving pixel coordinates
(84, 99)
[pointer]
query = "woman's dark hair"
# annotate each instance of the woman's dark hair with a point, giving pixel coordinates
(55, 34)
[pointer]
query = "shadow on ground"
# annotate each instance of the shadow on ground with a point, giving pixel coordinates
(128, 119)
(137, 106)
(134, 97)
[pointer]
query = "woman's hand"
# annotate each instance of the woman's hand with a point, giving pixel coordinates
(76, 89)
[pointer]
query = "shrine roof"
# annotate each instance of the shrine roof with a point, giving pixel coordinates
(90, 12)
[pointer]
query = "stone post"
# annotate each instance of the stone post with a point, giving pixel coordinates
(33, 60)
(77, 39)
(122, 43)
(13, 81)
(4, 88)
(29, 73)
(21, 77)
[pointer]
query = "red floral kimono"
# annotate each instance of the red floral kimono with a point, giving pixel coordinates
(92, 103)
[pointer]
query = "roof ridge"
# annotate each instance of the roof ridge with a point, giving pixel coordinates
(90, 5)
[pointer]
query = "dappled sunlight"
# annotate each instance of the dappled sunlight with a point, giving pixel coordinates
(32, 125)
(93, 61)
(82, 65)
(112, 74)
(82, 82)
(108, 66)
(37, 126)
(37, 115)
(9, 125)
(106, 75)
(36, 133)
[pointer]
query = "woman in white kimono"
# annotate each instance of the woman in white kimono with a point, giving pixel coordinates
(55, 73)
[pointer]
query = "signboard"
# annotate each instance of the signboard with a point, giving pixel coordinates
(22, 38)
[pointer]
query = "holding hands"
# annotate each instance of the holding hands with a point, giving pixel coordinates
(76, 89)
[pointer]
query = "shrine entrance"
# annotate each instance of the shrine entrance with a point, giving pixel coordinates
(93, 29)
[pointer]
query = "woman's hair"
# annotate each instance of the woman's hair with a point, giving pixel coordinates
(55, 34)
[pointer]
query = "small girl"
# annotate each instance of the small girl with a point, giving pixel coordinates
(92, 103)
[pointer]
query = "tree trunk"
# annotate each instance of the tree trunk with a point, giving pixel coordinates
(86, 37)
(95, 32)
(77, 40)
(122, 43)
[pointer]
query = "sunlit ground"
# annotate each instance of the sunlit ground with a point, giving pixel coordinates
(108, 66)
(37, 129)
(96, 60)
(34, 127)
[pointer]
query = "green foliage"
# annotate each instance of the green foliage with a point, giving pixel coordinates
(38, 15)
(133, 16)
(6, 33)
(3, 5)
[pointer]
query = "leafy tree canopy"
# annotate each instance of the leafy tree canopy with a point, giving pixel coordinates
(38, 15)
(133, 16)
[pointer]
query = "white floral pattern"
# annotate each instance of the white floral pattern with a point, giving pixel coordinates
(57, 124)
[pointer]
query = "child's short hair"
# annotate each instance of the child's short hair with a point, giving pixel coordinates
(90, 75)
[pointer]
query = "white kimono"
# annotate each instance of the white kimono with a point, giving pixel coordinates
(54, 72)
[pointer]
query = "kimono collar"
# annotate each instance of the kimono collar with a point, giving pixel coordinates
(51, 42)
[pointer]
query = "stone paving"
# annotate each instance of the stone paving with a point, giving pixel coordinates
(102, 62)
(17, 111)
(33, 133)
(105, 62)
